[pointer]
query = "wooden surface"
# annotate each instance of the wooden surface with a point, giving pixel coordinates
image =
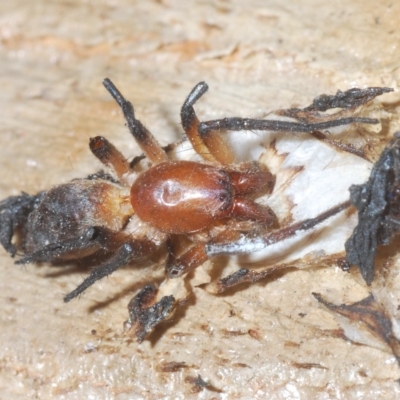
(271, 340)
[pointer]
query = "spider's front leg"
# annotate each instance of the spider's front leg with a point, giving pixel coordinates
(246, 124)
(147, 142)
(206, 136)
(348, 101)
(212, 147)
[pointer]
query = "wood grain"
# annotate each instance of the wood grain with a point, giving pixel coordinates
(256, 56)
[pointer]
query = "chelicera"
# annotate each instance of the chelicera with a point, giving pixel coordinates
(129, 215)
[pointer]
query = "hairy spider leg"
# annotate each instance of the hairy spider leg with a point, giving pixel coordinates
(190, 121)
(196, 255)
(231, 242)
(146, 141)
(247, 243)
(95, 238)
(213, 147)
(168, 148)
(109, 155)
(244, 124)
(207, 141)
(129, 251)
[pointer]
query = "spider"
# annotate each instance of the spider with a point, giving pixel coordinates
(129, 215)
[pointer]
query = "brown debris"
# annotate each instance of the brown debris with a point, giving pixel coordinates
(308, 365)
(340, 145)
(145, 313)
(255, 334)
(372, 315)
(229, 332)
(199, 384)
(172, 366)
(377, 202)
(348, 100)
(243, 275)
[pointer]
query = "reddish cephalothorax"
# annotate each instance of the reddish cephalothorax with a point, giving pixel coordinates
(129, 216)
(183, 197)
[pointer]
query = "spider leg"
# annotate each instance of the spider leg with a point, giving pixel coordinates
(233, 242)
(95, 238)
(168, 148)
(244, 275)
(14, 213)
(109, 155)
(207, 141)
(247, 244)
(243, 124)
(129, 251)
(197, 255)
(187, 262)
(212, 147)
(146, 141)
(243, 209)
(173, 247)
